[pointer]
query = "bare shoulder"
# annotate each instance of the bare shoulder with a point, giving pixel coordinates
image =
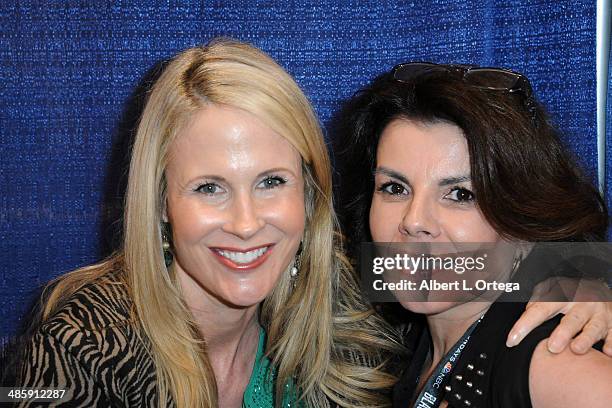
(570, 380)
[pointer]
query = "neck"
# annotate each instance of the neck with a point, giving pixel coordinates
(228, 330)
(446, 328)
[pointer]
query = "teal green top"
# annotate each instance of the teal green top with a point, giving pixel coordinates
(260, 391)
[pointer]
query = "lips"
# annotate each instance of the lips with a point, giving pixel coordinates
(242, 259)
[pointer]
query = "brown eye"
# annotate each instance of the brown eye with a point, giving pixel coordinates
(393, 189)
(460, 195)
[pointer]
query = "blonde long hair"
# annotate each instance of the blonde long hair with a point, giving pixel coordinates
(321, 334)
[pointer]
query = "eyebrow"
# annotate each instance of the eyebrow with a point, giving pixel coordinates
(390, 173)
(223, 179)
(276, 170)
(444, 182)
(207, 176)
(454, 180)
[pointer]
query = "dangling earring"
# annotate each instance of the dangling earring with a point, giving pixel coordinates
(516, 262)
(295, 268)
(166, 243)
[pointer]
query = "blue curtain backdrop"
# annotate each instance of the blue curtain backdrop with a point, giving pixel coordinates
(71, 73)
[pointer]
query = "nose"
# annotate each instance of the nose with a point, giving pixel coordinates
(419, 221)
(244, 221)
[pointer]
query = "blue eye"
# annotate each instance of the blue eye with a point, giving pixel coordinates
(460, 195)
(272, 182)
(392, 188)
(208, 188)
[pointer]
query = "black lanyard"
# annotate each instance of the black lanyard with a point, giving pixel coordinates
(431, 394)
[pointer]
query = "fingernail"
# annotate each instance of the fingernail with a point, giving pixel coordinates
(554, 346)
(513, 339)
(580, 346)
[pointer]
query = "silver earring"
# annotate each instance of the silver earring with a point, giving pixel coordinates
(295, 268)
(166, 235)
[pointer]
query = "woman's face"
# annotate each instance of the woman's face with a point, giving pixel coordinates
(423, 191)
(235, 202)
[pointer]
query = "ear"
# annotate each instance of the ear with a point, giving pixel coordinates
(164, 210)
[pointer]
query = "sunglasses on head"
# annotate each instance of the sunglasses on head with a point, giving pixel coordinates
(492, 79)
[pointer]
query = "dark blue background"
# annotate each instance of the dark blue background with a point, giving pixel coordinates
(70, 72)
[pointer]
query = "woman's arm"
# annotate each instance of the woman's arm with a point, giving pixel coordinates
(591, 321)
(570, 380)
(48, 364)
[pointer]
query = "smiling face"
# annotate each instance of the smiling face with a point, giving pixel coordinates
(235, 202)
(423, 191)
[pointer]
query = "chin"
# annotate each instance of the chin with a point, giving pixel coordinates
(427, 308)
(245, 298)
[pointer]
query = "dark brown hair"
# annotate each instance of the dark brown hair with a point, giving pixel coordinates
(526, 183)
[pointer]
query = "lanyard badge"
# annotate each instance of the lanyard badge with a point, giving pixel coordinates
(431, 394)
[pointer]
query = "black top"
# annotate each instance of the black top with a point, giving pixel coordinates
(487, 374)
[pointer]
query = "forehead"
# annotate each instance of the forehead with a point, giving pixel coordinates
(220, 138)
(438, 147)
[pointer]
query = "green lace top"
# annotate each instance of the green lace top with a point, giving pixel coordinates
(260, 391)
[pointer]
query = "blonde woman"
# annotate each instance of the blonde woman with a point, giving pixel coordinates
(230, 289)
(231, 176)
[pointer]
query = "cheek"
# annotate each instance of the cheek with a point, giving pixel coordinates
(469, 226)
(286, 213)
(191, 219)
(384, 220)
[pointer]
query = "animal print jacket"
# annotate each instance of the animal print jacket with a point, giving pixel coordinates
(93, 350)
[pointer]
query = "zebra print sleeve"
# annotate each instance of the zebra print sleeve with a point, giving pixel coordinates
(93, 349)
(48, 364)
